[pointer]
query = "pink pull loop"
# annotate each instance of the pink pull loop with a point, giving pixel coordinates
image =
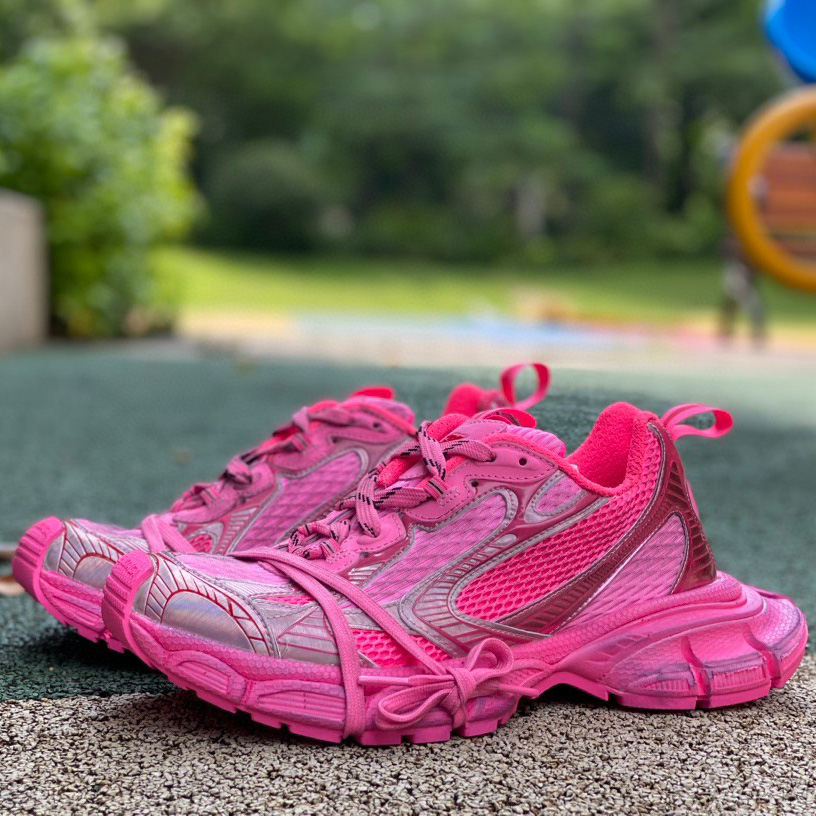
(381, 391)
(508, 384)
(674, 419)
(512, 416)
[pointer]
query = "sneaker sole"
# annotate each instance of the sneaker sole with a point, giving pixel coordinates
(71, 602)
(683, 658)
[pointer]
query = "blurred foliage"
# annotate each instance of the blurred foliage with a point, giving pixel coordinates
(469, 129)
(89, 139)
(473, 130)
(263, 191)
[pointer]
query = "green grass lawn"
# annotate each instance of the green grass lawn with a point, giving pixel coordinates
(640, 292)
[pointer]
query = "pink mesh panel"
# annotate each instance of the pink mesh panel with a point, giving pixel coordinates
(105, 529)
(651, 573)
(381, 649)
(292, 600)
(547, 565)
(300, 500)
(432, 550)
(233, 569)
(562, 493)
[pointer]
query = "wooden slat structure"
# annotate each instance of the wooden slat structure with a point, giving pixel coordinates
(788, 197)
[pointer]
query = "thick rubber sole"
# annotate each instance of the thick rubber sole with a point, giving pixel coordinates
(701, 655)
(70, 602)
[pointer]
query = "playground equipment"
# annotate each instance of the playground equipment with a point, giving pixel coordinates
(772, 187)
(791, 27)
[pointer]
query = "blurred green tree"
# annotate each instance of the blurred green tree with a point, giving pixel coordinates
(83, 134)
(453, 128)
(462, 128)
(264, 193)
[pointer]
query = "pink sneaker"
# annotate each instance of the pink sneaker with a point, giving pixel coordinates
(478, 566)
(296, 475)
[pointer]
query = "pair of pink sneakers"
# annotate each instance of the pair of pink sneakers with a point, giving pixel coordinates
(478, 563)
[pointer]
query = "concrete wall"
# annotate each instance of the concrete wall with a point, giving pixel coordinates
(23, 283)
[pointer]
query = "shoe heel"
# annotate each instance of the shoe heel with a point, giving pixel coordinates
(701, 657)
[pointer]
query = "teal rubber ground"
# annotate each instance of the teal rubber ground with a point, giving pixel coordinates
(113, 435)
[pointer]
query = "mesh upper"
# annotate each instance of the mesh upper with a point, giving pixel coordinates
(432, 550)
(381, 649)
(559, 497)
(650, 573)
(534, 572)
(302, 498)
(439, 555)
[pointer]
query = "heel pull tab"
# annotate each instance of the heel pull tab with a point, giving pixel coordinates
(512, 416)
(674, 421)
(381, 391)
(508, 384)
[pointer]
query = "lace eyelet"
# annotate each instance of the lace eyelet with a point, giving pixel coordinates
(377, 426)
(474, 483)
(523, 461)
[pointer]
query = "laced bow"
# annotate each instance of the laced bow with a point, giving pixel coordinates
(486, 670)
(489, 668)
(321, 538)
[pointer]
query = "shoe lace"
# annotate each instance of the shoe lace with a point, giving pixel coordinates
(161, 534)
(252, 467)
(322, 538)
(403, 701)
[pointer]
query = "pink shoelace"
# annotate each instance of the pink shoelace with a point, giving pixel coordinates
(252, 468)
(161, 534)
(488, 668)
(247, 470)
(319, 539)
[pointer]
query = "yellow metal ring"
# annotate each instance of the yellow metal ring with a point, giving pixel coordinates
(783, 117)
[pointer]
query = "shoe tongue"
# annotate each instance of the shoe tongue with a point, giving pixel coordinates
(480, 428)
(483, 427)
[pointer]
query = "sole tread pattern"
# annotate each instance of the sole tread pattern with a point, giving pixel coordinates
(717, 658)
(704, 698)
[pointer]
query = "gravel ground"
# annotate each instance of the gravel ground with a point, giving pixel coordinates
(564, 754)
